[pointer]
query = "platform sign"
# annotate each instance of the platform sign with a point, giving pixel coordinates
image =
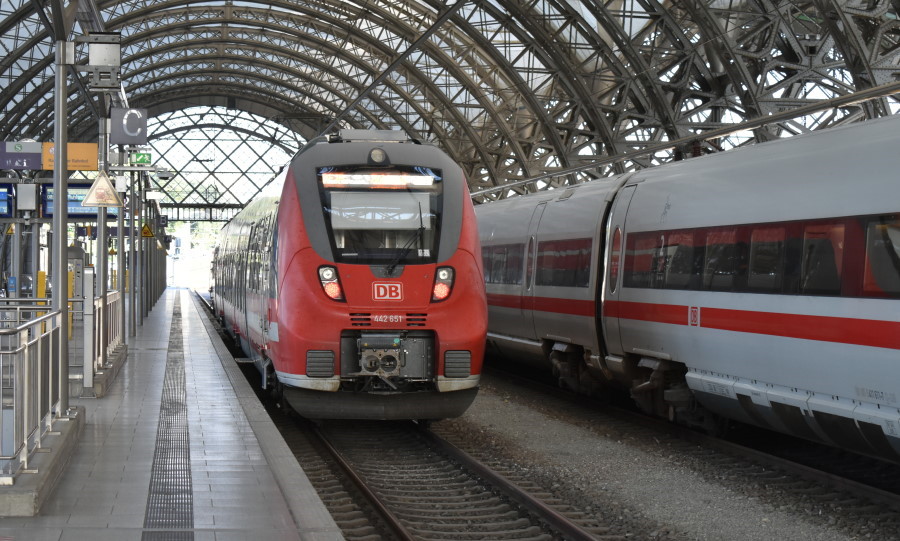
(76, 194)
(128, 126)
(20, 156)
(80, 156)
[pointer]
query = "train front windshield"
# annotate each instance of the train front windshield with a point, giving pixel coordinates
(380, 216)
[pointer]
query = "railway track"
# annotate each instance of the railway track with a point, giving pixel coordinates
(422, 487)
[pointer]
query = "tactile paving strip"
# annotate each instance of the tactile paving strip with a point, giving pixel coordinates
(170, 505)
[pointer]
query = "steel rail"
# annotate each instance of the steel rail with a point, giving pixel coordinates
(389, 517)
(541, 510)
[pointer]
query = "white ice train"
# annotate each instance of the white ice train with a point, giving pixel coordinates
(761, 285)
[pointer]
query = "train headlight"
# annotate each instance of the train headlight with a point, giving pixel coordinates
(378, 156)
(328, 277)
(443, 284)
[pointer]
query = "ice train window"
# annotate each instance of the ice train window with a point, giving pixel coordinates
(679, 259)
(503, 264)
(882, 272)
(564, 263)
(766, 259)
(640, 255)
(823, 251)
(614, 260)
(722, 262)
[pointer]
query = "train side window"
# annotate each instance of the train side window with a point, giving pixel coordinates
(486, 262)
(564, 263)
(679, 259)
(273, 259)
(529, 264)
(514, 260)
(503, 264)
(498, 264)
(614, 260)
(766, 272)
(882, 269)
(823, 250)
(721, 260)
(640, 254)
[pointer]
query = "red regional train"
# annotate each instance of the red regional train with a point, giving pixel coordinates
(760, 284)
(357, 291)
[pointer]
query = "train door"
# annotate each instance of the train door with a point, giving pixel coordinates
(615, 259)
(530, 263)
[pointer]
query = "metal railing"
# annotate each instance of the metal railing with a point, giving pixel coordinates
(102, 333)
(30, 385)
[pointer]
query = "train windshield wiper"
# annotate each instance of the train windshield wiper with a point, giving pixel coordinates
(413, 240)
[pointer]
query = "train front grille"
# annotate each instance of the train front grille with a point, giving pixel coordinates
(361, 319)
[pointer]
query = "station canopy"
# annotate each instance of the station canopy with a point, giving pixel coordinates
(524, 94)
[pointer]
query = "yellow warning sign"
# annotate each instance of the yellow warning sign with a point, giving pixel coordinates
(102, 193)
(146, 232)
(11, 229)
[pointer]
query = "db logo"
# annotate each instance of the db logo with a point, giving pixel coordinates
(694, 320)
(387, 291)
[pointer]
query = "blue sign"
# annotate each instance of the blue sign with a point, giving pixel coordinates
(76, 194)
(6, 210)
(11, 283)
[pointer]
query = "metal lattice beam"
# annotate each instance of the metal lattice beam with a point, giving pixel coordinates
(511, 89)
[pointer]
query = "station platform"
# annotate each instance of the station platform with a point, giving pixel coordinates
(179, 449)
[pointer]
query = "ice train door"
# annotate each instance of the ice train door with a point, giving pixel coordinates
(615, 260)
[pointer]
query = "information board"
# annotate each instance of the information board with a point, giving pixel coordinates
(6, 207)
(76, 194)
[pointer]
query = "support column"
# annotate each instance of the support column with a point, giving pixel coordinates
(120, 256)
(133, 239)
(102, 248)
(60, 219)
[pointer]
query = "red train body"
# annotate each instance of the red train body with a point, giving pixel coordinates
(358, 292)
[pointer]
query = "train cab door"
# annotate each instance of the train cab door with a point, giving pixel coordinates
(612, 280)
(530, 264)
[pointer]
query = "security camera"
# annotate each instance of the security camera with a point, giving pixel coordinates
(163, 174)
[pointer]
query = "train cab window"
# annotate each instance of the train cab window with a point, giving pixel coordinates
(766, 270)
(382, 216)
(820, 267)
(565, 263)
(882, 269)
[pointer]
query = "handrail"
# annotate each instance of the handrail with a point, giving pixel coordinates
(30, 389)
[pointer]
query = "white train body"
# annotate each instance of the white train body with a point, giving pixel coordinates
(763, 283)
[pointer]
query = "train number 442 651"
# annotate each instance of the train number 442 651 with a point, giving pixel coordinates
(387, 318)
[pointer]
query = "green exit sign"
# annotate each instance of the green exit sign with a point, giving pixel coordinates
(140, 158)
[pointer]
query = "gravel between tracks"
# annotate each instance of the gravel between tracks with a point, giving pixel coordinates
(627, 480)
